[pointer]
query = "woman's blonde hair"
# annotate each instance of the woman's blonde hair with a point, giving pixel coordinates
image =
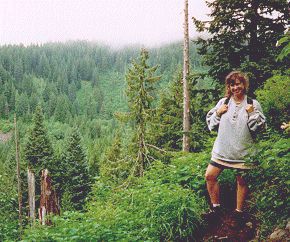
(234, 76)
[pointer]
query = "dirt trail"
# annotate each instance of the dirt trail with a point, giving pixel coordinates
(223, 231)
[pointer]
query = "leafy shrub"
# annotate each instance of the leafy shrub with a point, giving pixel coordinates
(186, 170)
(275, 100)
(270, 184)
(152, 211)
(164, 213)
(165, 204)
(196, 181)
(8, 217)
(154, 207)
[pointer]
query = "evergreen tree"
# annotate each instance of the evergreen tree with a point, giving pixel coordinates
(166, 131)
(113, 167)
(77, 178)
(140, 80)
(9, 94)
(48, 90)
(44, 67)
(72, 90)
(62, 109)
(76, 109)
(99, 96)
(243, 36)
(34, 100)
(50, 106)
(72, 73)
(95, 78)
(3, 104)
(277, 107)
(38, 150)
(62, 82)
(22, 105)
(18, 70)
(4, 75)
(27, 84)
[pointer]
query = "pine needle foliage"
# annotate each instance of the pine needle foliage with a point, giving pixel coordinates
(166, 130)
(38, 150)
(115, 168)
(140, 88)
(77, 178)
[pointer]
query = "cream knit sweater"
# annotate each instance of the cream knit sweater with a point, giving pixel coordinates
(234, 140)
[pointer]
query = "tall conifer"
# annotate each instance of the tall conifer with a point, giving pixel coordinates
(114, 167)
(140, 80)
(166, 130)
(39, 154)
(38, 150)
(77, 178)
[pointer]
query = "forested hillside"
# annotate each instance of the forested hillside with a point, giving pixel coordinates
(58, 91)
(107, 124)
(55, 74)
(75, 83)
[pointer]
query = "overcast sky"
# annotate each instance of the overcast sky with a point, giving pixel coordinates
(114, 22)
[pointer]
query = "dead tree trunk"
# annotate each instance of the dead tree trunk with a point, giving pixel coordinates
(18, 175)
(186, 121)
(31, 195)
(48, 200)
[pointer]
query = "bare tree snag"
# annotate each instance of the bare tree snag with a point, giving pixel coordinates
(31, 195)
(186, 120)
(18, 176)
(48, 200)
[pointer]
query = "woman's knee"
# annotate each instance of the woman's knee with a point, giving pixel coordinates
(210, 177)
(212, 173)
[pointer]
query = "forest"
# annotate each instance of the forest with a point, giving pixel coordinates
(82, 108)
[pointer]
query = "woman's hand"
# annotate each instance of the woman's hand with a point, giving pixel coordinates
(223, 109)
(249, 108)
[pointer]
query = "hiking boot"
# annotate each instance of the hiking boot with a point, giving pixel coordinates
(213, 215)
(237, 220)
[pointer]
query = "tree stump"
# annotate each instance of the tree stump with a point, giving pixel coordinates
(49, 204)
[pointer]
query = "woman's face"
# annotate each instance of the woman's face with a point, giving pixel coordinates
(237, 88)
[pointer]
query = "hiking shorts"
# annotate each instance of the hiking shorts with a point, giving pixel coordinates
(238, 171)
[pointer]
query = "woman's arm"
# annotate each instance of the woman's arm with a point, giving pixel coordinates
(213, 117)
(257, 120)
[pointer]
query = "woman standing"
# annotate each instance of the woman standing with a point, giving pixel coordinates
(236, 117)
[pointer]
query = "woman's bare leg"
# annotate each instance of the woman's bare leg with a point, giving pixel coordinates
(242, 191)
(213, 189)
